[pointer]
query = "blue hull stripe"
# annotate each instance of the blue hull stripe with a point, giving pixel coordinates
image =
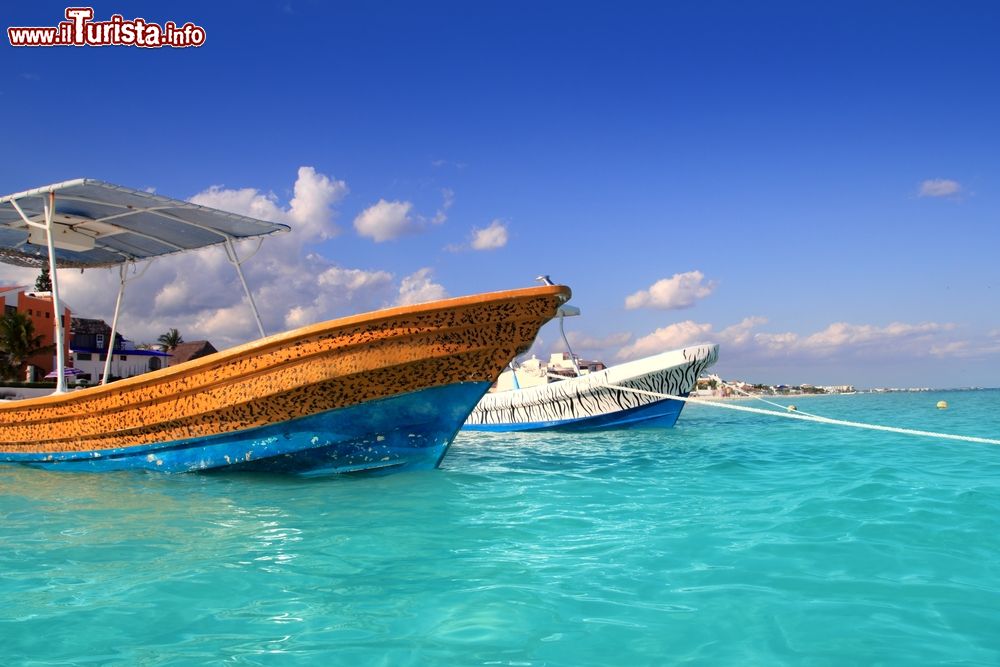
(406, 431)
(661, 414)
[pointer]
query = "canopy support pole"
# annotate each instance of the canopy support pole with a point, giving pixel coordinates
(50, 209)
(114, 324)
(235, 261)
(576, 366)
(123, 269)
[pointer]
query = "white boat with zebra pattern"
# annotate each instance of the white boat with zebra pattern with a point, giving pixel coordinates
(599, 400)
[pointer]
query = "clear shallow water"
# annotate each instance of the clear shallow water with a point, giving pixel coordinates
(730, 539)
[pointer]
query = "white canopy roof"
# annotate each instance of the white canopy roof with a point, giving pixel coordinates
(100, 224)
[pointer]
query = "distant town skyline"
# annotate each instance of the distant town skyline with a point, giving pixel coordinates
(815, 188)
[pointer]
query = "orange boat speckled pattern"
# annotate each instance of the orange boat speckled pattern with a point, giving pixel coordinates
(321, 369)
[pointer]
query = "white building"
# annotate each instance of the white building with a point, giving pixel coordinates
(89, 348)
(124, 363)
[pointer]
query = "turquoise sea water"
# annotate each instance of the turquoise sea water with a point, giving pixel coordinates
(730, 539)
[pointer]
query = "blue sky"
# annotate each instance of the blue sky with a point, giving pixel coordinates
(813, 187)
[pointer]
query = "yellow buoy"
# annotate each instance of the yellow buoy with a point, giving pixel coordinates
(942, 405)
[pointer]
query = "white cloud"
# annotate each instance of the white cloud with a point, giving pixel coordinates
(939, 187)
(836, 339)
(774, 342)
(200, 294)
(230, 323)
(173, 298)
(246, 201)
(339, 289)
(311, 209)
(740, 340)
(442, 213)
(310, 212)
(740, 333)
(352, 279)
(419, 288)
(490, 238)
(389, 220)
(951, 349)
(583, 342)
(674, 293)
(673, 336)
(385, 220)
(841, 334)
(593, 347)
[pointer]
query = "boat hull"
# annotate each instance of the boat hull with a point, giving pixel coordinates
(408, 431)
(590, 402)
(311, 400)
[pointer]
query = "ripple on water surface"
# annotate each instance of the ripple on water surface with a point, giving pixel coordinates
(729, 539)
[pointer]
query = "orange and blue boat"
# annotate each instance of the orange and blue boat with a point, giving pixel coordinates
(381, 391)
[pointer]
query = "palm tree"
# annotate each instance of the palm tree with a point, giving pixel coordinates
(170, 340)
(18, 343)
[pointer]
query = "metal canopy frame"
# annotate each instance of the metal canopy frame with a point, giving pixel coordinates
(106, 225)
(565, 311)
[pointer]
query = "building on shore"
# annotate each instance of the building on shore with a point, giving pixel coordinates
(193, 350)
(38, 307)
(88, 342)
(91, 345)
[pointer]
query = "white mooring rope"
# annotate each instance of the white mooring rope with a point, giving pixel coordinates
(810, 417)
(764, 400)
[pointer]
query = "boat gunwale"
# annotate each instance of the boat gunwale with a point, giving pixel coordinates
(247, 378)
(282, 339)
(189, 426)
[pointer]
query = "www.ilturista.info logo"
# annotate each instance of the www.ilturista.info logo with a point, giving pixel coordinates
(79, 29)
